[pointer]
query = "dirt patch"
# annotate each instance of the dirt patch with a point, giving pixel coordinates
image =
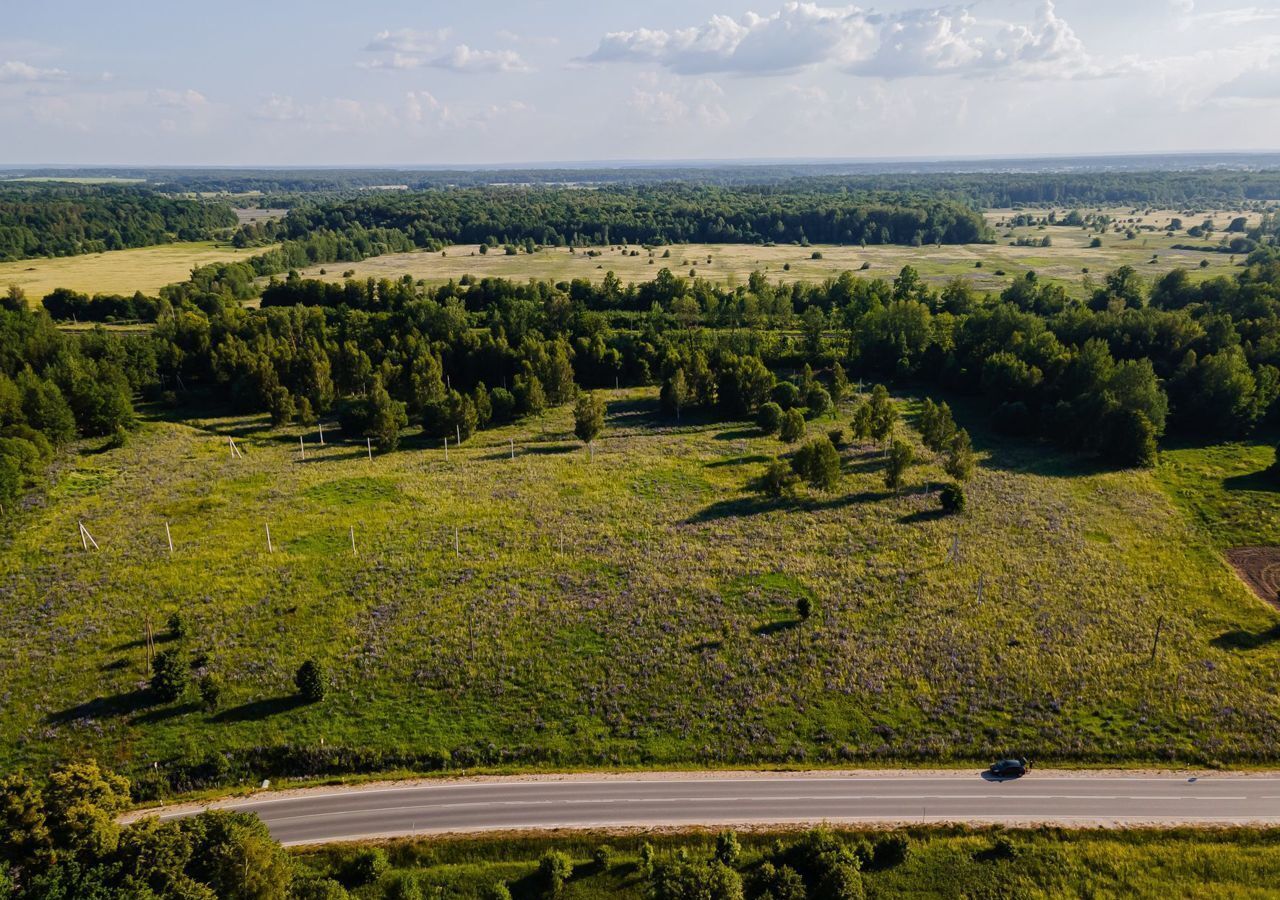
(1258, 567)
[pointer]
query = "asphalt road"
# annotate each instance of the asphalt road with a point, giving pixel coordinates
(335, 814)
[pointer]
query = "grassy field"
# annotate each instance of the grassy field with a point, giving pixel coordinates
(635, 609)
(1066, 260)
(145, 269)
(1234, 863)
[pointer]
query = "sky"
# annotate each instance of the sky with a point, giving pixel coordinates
(422, 82)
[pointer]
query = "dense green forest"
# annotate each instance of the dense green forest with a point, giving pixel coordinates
(67, 220)
(659, 214)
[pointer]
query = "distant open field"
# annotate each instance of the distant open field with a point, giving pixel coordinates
(634, 609)
(148, 269)
(1066, 260)
(145, 269)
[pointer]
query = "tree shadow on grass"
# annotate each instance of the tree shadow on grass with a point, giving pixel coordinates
(1239, 639)
(164, 638)
(109, 707)
(742, 507)
(924, 515)
(738, 507)
(1262, 482)
(739, 434)
(260, 709)
(738, 461)
(775, 627)
(163, 714)
(556, 449)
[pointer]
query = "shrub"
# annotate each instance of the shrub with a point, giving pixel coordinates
(554, 869)
(816, 254)
(792, 428)
(804, 608)
(403, 887)
(769, 418)
(817, 400)
(785, 394)
(498, 890)
(503, 404)
(959, 463)
(779, 480)
(646, 858)
(818, 463)
(728, 850)
(901, 456)
(603, 857)
(682, 880)
(366, 867)
(837, 438)
(210, 687)
(177, 627)
(779, 883)
(170, 675)
(951, 498)
(890, 850)
(310, 681)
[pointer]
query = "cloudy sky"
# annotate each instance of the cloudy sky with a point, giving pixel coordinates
(398, 82)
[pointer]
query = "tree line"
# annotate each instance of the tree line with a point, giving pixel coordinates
(1107, 376)
(667, 213)
(66, 220)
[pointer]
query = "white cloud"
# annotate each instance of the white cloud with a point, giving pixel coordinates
(465, 59)
(696, 102)
(17, 72)
(797, 36)
(916, 42)
(408, 40)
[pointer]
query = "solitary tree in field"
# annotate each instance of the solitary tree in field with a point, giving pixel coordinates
(804, 608)
(310, 681)
(588, 417)
(900, 458)
(170, 675)
(675, 393)
(959, 464)
(884, 415)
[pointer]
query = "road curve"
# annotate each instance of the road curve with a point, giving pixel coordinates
(358, 813)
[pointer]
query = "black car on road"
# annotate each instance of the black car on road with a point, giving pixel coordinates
(1009, 768)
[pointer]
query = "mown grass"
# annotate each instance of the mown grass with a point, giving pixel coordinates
(941, 863)
(986, 267)
(634, 610)
(145, 269)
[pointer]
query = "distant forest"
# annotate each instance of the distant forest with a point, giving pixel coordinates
(648, 215)
(1177, 181)
(44, 219)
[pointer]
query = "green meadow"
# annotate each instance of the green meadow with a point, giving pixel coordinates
(635, 608)
(942, 863)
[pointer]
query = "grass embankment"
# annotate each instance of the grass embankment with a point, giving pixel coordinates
(638, 609)
(940, 863)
